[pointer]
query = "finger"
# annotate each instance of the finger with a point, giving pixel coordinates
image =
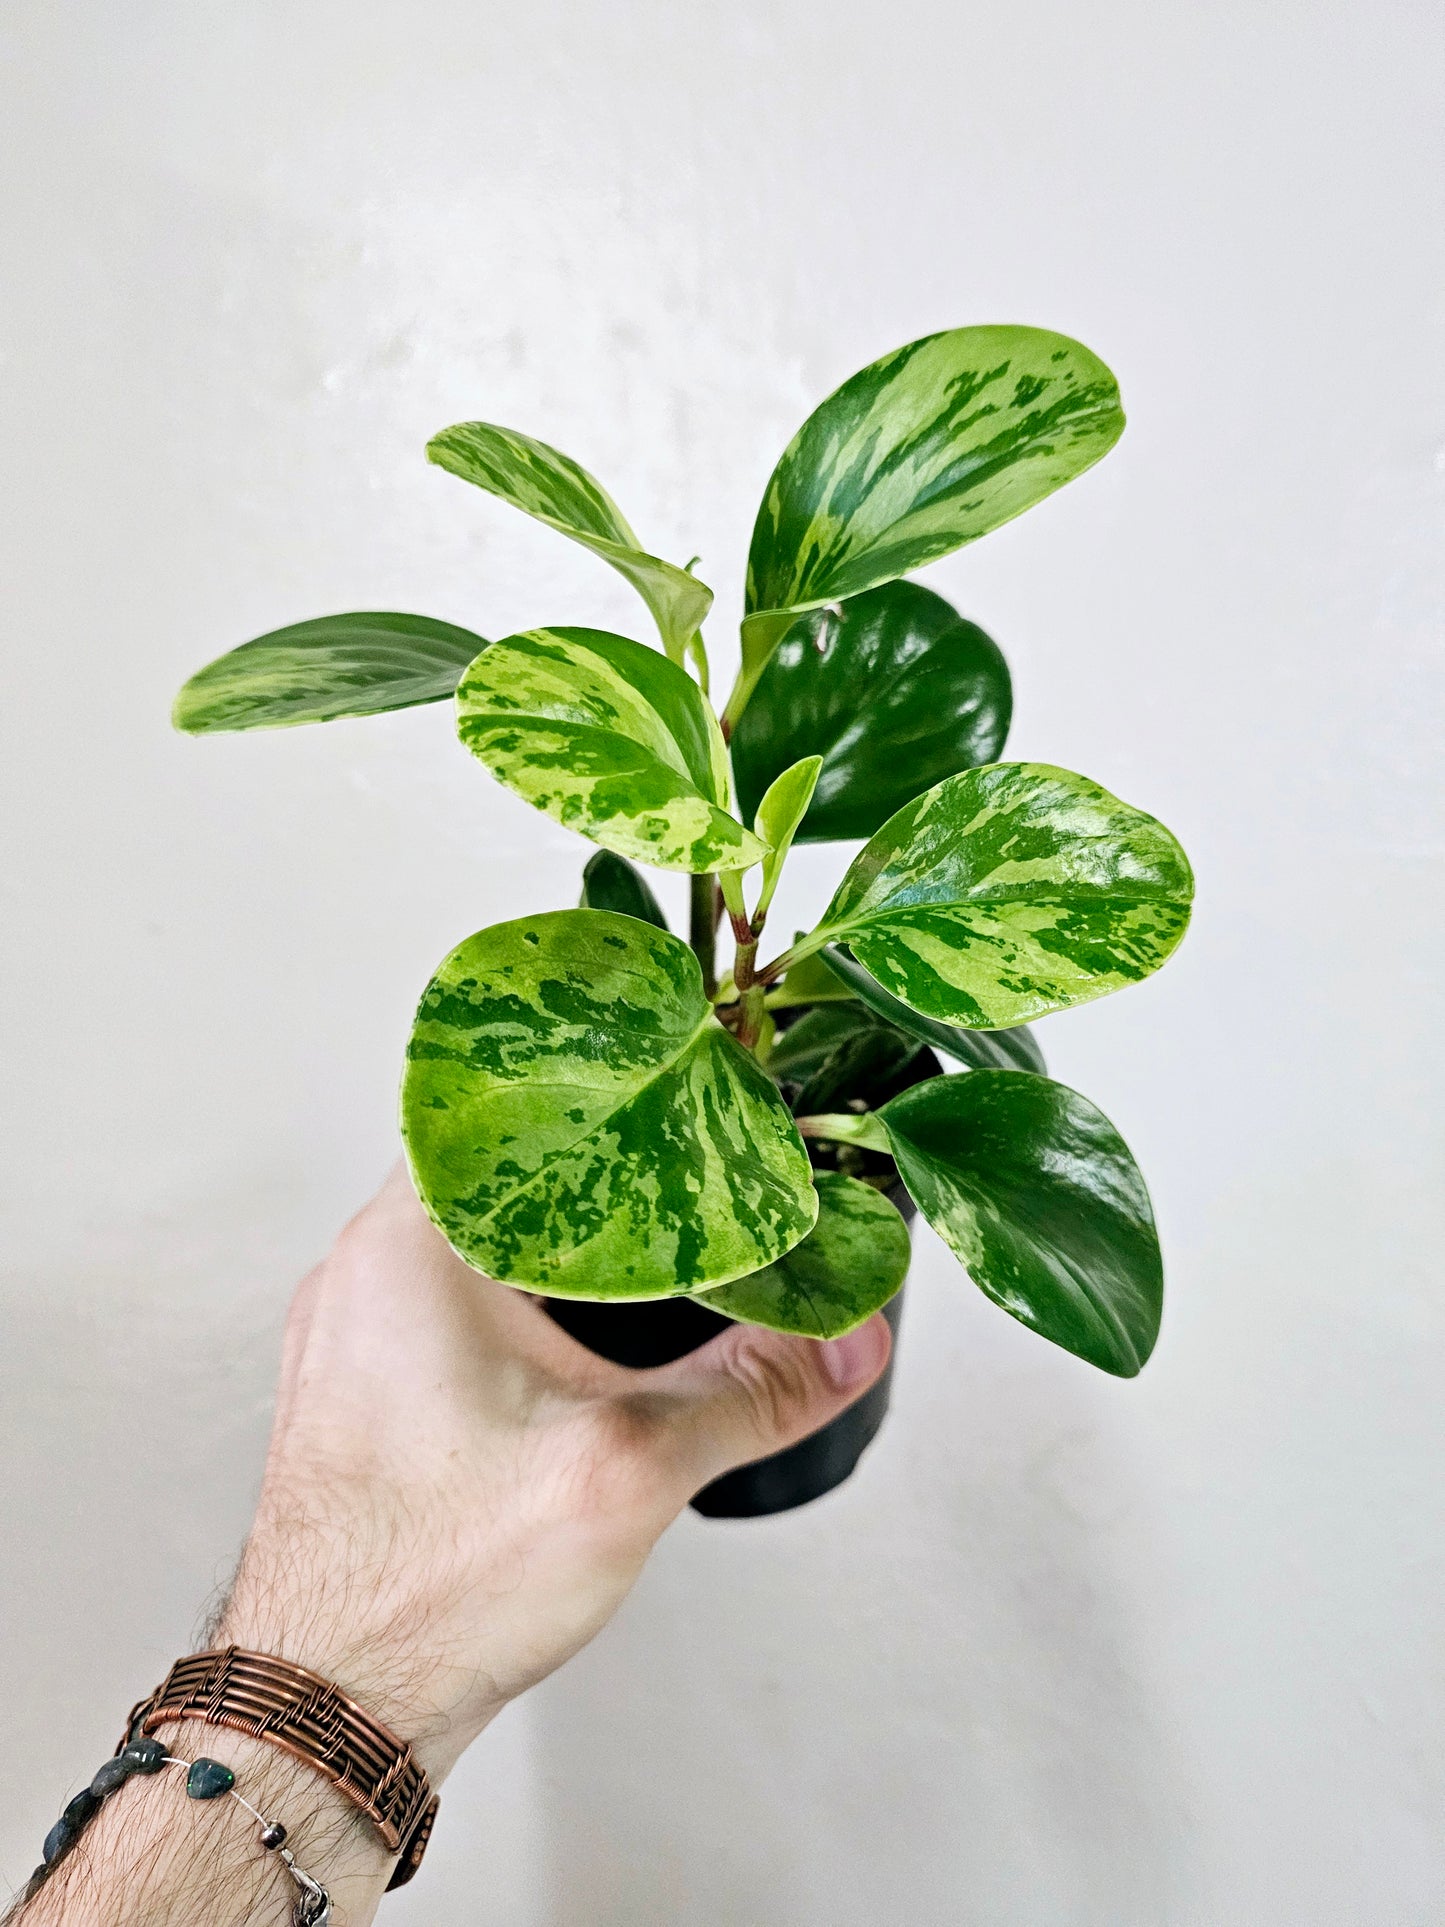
(750, 1392)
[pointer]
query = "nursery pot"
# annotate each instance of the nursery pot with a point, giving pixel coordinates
(660, 1330)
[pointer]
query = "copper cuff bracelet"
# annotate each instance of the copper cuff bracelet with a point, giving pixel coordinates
(313, 1721)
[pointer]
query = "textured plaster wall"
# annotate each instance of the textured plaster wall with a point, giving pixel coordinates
(1067, 1651)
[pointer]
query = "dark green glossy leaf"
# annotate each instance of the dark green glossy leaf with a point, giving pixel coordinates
(849, 1265)
(1037, 1193)
(980, 1050)
(314, 672)
(1007, 892)
(579, 1123)
(552, 488)
(894, 694)
(839, 1052)
(610, 882)
(926, 449)
(609, 738)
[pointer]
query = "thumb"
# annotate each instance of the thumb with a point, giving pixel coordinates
(750, 1392)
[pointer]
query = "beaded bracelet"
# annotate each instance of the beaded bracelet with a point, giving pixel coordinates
(205, 1780)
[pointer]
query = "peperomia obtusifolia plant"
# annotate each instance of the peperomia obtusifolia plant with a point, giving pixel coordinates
(593, 1108)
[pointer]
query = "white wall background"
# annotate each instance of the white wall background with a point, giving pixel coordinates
(1068, 1652)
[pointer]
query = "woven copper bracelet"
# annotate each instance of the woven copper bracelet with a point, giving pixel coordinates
(312, 1720)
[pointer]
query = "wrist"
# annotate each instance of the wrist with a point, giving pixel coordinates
(382, 1639)
(329, 1837)
(153, 1856)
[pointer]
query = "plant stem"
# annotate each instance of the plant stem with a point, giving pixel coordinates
(702, 926)
(746, 931)
(781, 965)
(697, 650)
(750, 1000)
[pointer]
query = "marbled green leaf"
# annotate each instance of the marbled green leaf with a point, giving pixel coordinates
(980, 1050)
(314, 672)
(552, 488)
(849, 1266)
(922, 451)
(609, 882)
(1010, 891)
(1037, 1193)
(609, 738)
(894, 691)
(838, 1052)
(579, 1123)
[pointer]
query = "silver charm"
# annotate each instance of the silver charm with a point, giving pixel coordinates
(313, 1909)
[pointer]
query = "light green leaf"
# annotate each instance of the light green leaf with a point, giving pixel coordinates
(778, 815)
(865, 1128)
(810, 981)
(922, 451)
(314, 672)
(609, 738)
(1037, 1193)
(1007, 892)
(579, 1123)
(982, 1050)
(894, 694)
(609, 882)
(849, 1265)
(552, 488)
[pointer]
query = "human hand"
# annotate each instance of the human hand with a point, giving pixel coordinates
(458, 1495)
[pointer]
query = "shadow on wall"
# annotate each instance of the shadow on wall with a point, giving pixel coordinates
(916, 1701)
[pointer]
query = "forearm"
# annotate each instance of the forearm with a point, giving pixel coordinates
(456, 1498)
(153, 1857)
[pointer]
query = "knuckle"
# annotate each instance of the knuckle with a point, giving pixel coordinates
(778, 1382)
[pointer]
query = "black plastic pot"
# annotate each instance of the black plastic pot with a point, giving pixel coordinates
(663, 1329)
(660, 1330)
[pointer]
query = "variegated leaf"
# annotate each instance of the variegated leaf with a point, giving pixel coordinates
(609, 882)
(314, 672)
(1007, 892)
(609, 738)
(894, 691)
(849, 1265)
(980, 1050)
(552, 488)
(926, 449)
(1037, 1193)
(578, 1122)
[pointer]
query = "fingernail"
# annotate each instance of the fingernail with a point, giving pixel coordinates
(850, 1360)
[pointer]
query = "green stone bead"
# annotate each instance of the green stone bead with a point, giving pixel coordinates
(81, 1810)
(58, 1842)
(147, 1756)
(114, 1773)
(208, 1780)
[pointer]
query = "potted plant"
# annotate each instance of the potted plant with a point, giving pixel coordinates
(658, 1140)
